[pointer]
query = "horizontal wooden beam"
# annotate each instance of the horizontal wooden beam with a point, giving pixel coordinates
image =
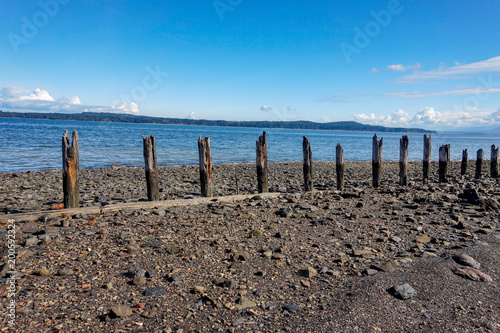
(132, 205)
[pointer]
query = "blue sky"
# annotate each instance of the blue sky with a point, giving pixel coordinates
(396, 63)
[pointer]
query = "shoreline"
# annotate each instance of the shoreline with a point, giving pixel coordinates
(38, 190)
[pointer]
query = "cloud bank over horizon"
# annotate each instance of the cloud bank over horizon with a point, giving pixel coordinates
(39, 100)
(432, 118)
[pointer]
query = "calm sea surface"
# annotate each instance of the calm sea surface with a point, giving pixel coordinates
(27, 144)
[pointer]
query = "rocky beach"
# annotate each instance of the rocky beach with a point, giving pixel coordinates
(422, 258)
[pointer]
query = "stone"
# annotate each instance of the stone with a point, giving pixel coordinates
(472, 274)
(42, 272)
(395, 239)
(243, 303)
(308, 272)
(65, 272)
(424, 239)
(139, 281)
(292, 308)
(149, 314)
(198, 290)
(256, 233)
(466, 260)
(135, 271)
(404, 291)
(470, 195)
(156, 291)
(121, 311)
(32, 241)
(388, 267)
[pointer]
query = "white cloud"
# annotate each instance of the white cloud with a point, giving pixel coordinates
(191, 116)
(403, 68)
(265, 108)
(427, 116)
(325, 120)
(375, 70)
(397, 68)
(39, 100)
(132, 108)
(485, 66)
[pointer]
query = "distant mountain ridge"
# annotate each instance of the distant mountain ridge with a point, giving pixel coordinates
(126, 118)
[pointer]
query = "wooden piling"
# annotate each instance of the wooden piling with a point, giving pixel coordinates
(339, 160)
(149, 151)
(70, 160)
(494, 161)
(463, 166)
(205, 167)
(403, 160)
(377, 161)
(479, 164)
(444, 159)
(427, 159)
(262, 184)
(307, 168)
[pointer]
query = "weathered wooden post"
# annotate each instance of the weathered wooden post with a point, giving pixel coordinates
(444, 158)
(403, 160)
(306, 150)
(207, 189)
(149, 151)
(427, 159)
(377, 161)
(463, 166)
(70, 159)
(479, 164)
(339, 160)
(262, 185)
(494, 161)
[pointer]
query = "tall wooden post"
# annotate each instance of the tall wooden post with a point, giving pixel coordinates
(377, 161)
(262, 185)
(463, 166)
(149, 151)
(70, 159)
(339, 160)
(427, 159)
(479, 163)
(444, 159)
(494, 161)
(403, 160)
(307, 168)
(207, 189)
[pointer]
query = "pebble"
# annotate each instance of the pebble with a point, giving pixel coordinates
(308, 272)
(424, 239)
(139, 281)
(466, 260)
(243, 303)
(404, 291)
(472, 274)
(65, 272)
(292, 308)
(156, 291)
(42, 272)
(121, 311)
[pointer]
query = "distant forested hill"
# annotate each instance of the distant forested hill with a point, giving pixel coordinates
(126, 118)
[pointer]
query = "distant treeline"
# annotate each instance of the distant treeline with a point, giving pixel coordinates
(126, 118)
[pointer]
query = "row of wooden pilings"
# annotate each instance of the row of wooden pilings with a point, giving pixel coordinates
(71, 162)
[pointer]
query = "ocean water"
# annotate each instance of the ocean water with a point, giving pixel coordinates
(28, 144)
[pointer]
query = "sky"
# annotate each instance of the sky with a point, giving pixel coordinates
(428, 64)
